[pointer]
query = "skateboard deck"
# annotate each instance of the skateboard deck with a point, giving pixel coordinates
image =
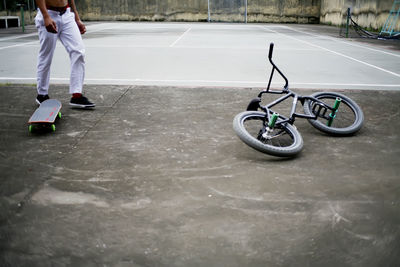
(46, 114)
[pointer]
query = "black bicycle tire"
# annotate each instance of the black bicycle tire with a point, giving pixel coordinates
(253, 142)
(350, 130)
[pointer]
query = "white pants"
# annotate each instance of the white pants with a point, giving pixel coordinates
(70, 37)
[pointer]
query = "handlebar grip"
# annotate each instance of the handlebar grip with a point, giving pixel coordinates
(271, 49)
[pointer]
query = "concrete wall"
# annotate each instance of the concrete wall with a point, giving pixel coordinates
(143, 10)
(366, 13)
(299, 11)
(295, 11)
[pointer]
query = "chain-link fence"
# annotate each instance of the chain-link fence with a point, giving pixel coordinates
(15, 5)
(227, 10)
(16, 13)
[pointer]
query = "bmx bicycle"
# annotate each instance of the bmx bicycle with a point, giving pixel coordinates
(263, 129)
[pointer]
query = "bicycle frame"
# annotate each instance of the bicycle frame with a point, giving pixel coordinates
(320, 109)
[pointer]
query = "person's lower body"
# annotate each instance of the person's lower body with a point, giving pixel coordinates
(70, 36)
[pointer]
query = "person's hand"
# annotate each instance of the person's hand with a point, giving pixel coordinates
(81, 26)
(50, 25)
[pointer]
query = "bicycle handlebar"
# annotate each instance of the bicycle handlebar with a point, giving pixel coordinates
(271, 49)
(274, 67)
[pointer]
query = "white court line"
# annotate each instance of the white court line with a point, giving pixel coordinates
(18, 36)
(95, 28)
(17, 45)
(140, 46)
(101, 27)
(37, 42)
(262, 48)
(177, 40)
(343, 42)
(211, 82)
(334, 52)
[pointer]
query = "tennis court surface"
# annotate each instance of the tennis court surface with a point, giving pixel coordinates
(155, 175)
(203, 54)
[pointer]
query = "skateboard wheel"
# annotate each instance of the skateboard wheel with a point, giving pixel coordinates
(30, 128)
(53, 127)
(59, 115)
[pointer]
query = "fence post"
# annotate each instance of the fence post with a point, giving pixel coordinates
(347, 22)
(208, 11)
(245, 11)
(22, 18)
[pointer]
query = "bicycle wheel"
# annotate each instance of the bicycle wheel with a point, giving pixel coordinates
(349, 117)
(283, 141)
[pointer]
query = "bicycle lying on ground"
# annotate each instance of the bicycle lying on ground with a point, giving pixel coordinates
(269, 132)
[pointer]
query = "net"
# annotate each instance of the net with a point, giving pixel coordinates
(350, 29)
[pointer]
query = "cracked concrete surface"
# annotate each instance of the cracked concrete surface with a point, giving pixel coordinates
(155, 176)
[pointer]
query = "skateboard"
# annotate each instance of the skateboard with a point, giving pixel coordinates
(45, 115)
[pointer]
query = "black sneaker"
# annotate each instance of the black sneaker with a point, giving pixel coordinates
(81, 102)
(41, 98)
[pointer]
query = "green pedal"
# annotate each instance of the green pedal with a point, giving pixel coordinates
(335, 109)
(273, 120)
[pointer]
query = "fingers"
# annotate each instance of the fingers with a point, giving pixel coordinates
(82, 27)
(52, 27)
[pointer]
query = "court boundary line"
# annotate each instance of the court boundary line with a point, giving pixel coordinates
(262, 48)
(180, 37)
(211, 82)
(341, 41)
(334, 52)
(14, 37)
(18, 45)
(20, 36)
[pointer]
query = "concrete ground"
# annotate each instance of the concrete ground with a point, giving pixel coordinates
(155, 175)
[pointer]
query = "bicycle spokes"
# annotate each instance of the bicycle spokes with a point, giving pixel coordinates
(341, 115)
(275, 136)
